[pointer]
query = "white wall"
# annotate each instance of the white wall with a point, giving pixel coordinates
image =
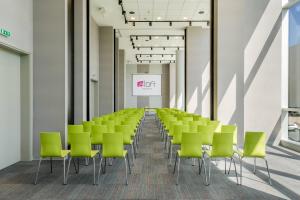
(249, 65)
(16, 16)
(10, 108)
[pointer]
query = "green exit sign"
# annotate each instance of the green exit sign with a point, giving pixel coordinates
(4, 32)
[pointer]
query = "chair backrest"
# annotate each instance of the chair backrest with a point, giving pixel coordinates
(207, 134)
(50, 144)
(177, 134)
(81, 144)
(222, 145)
(216, 124)
(87, 125)
(110, 125)
(255, 144)
(74, 128)
(230, 129)
(97, 133)
(191, 144)
(112, 145)
(126, 130)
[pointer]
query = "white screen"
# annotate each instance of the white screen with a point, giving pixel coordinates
(146, 85)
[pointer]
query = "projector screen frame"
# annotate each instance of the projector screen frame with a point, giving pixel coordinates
(132, 85)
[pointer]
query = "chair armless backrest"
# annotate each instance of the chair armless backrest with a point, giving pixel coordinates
(191, 144)
(230, 129)
(222, 145)
(255, 144)
(112, 145)
(216, 124)
(207, 134)
(97, 133)
(126, 130)
(81, 144)
(77, 128)
(50, 144)
(110, 125)
(87, 125)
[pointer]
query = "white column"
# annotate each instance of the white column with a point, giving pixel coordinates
(180, 80)
(172, 79)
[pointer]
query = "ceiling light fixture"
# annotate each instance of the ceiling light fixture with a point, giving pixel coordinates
(185, 18)
(156, 37)
(170, 23)
(150, 38)
(190, 23)
(132, 18)
(131, 12)
(201, 12)
(168, 37)
(158, 18)
(183, 37)
(133, 23)
(164, 48)
(136, 37)
(150, 23)
(151, 48)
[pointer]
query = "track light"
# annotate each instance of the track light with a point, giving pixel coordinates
(164, 48)
(190, 23)
(120, 2)
(168, 37)
(150, 55)
(150, 38)
(133, 23)
(162, 55)
(207, 23)
(182, 37)
(160, 61)
(124, 12)
(170, 23)
(150, 23)
(151, 48)
(133, 47)
(126, 22)
(138, 48)
(178, 48)
(136, 37)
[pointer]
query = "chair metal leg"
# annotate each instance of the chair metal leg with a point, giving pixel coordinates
(65, 171)
(225, 164)
(126, 171)
(237, 180)
(229, 166)
(87, 161)
(78, 162)
(170, 153)
(254, 168)
(51, 167)
(104, 168)
(178, 171)
(176, 158)
(205, 173)
(75, 166)
(68, 170)
(128, 163)
(194, 161)
(270, 181)
(209, 166)
(37, 171)
(94, 166)
(132, 153)
(99, 172)
(241, 170)
(199, 165)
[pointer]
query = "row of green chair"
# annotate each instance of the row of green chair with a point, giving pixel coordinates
(81, 139)
(201, 138)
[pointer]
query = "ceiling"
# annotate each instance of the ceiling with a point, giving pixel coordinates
(109, 13)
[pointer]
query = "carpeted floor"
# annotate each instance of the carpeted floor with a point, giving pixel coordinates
(152, 178)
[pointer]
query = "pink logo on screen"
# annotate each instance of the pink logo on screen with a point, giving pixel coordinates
(140, 83)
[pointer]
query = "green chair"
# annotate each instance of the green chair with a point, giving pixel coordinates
(50, 143)
(254, 147)
(77, 128)
(190, 148)
(176, 140)
(81, 148)
(207, 134)
(113, 147)
(127, 141)
(87, 125)
(96, 134)
(221, 148)
(230, 129)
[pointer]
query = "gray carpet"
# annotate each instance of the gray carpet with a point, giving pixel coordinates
(151, 178)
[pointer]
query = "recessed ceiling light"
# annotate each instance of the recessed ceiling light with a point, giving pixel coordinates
(185, 18)
(158, 18)
(156, 37)
(131, 12)
(132, 18)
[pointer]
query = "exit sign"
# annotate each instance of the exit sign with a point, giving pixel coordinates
(4, 32)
